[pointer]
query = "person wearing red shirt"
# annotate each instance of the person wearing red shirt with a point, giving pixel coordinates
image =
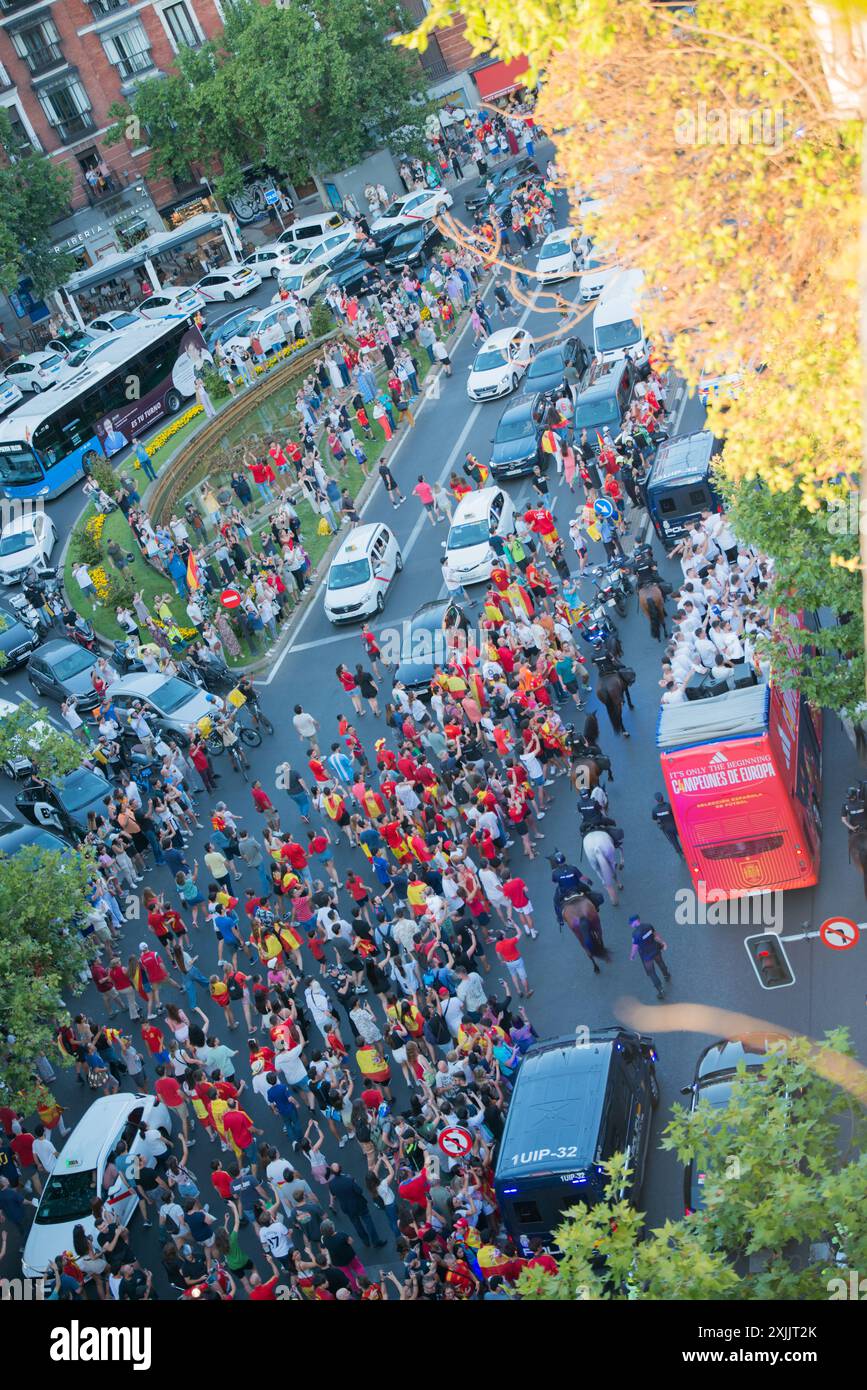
(349, 684)
(241, 1132)
(515, 890)
(264, 805)
(168, 1090)
(22, 1147)
(153, 1039)
(221, 1181)
(264, 1292)
(509, 950)
(407, 766)
(317, 767)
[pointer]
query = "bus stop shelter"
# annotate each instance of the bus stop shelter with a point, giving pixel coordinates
(142, 257)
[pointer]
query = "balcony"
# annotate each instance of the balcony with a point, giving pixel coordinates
(133, 65)
(6, 83)
(43, 58)
(75, 128)
(103, 7)
(97, 196)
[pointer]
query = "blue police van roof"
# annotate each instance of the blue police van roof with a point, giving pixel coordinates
(555, 1114)
(687, 456)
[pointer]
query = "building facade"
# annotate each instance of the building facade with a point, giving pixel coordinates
(63, 63)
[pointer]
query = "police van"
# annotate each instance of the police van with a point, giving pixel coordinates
(680, 484)
(578, 1100)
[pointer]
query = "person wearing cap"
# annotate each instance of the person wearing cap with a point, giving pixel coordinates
(663, 816)
(648, 945)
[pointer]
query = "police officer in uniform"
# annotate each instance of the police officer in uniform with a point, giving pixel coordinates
(663, 815)
(854, 814)
(568, 883)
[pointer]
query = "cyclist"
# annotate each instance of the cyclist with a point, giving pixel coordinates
(231, 743)
(257, 715)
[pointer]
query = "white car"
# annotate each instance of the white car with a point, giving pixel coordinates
(561, 255)
(171, 703)
(114, 321)
(361, 573)
(269, 260)
(595, 276)
(79, 1176)
(500, 363)
(10, 395)
(229, 282)
(26, 541)
(468, 549)
(273, 327)
(173, 302)
(416, 206)
(35, 371)
(305, 280)
(326, 251)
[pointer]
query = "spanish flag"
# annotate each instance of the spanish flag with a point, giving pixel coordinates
(138, 981)
(484, 473)
(193, 582)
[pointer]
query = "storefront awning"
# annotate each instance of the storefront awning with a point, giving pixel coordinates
(498, 78)
(120, 261)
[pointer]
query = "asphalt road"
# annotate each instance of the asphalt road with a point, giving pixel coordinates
(709, 963)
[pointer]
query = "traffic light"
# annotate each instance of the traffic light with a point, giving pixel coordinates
(769, 960)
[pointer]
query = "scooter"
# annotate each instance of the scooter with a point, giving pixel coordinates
(79, 630)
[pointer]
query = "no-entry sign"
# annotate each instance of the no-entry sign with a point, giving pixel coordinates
(454, 1141)
(840, 933)
(230, 598)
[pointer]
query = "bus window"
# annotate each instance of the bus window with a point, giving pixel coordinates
(18, 465)
(742, 849)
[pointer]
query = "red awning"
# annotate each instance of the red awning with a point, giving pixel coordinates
(499, 78)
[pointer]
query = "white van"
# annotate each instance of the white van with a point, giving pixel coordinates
(617, 324)
(312, 228)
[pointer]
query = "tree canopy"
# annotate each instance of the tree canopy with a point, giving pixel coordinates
(34, 193)
(784, 1166)
(42, 956)
(27, 733)
(729, 178)
(301, 88)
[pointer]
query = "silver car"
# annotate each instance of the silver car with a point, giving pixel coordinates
(168, 703)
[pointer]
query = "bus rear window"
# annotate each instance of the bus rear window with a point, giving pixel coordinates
(742, 849)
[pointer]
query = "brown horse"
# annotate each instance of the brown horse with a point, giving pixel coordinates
(582, 919)
(611, 690)
(858, 853)
(585, 774)
(651, 601)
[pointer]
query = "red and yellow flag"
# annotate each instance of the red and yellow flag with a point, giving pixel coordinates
(193, 581)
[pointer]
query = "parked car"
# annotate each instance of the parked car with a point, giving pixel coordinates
(500, 362)
(558, 368)
(62, 668)
(174, 704)
(603, 399)
(10, 395)
(273, 327)
(415, 206)
(173, 302)
(468, 548)
(70, 341)
(63, 806)
(17, 640)
(424, 644)
(228, 282)
(712, 1085)
(354, 275)
(362, 573)
(414, 246)
(113, 321)
(26, 541)
(515, 446)
(561, 255)
(15, 835)
(595, 276)
(78, 1177)
(269, 260)
(35, 371)
(521, 169)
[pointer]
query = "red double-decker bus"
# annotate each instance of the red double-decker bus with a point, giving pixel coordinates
(744, 776)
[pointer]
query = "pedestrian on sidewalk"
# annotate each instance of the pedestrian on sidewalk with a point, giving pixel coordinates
(648, 945)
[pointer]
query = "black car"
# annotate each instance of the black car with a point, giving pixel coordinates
(715, 1074)
(63, 805)
(355, 275)
(60, 669)
(558, 368)
(521, 169)
(414, 246)
(603, 400)
(15, 835)
(424, 644)
(17, 640)
(515, 444)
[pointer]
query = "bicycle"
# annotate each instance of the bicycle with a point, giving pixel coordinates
(215, 745)
(257, 714)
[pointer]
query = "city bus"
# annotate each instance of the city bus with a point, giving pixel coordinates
(126, 386)
(743, 772)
